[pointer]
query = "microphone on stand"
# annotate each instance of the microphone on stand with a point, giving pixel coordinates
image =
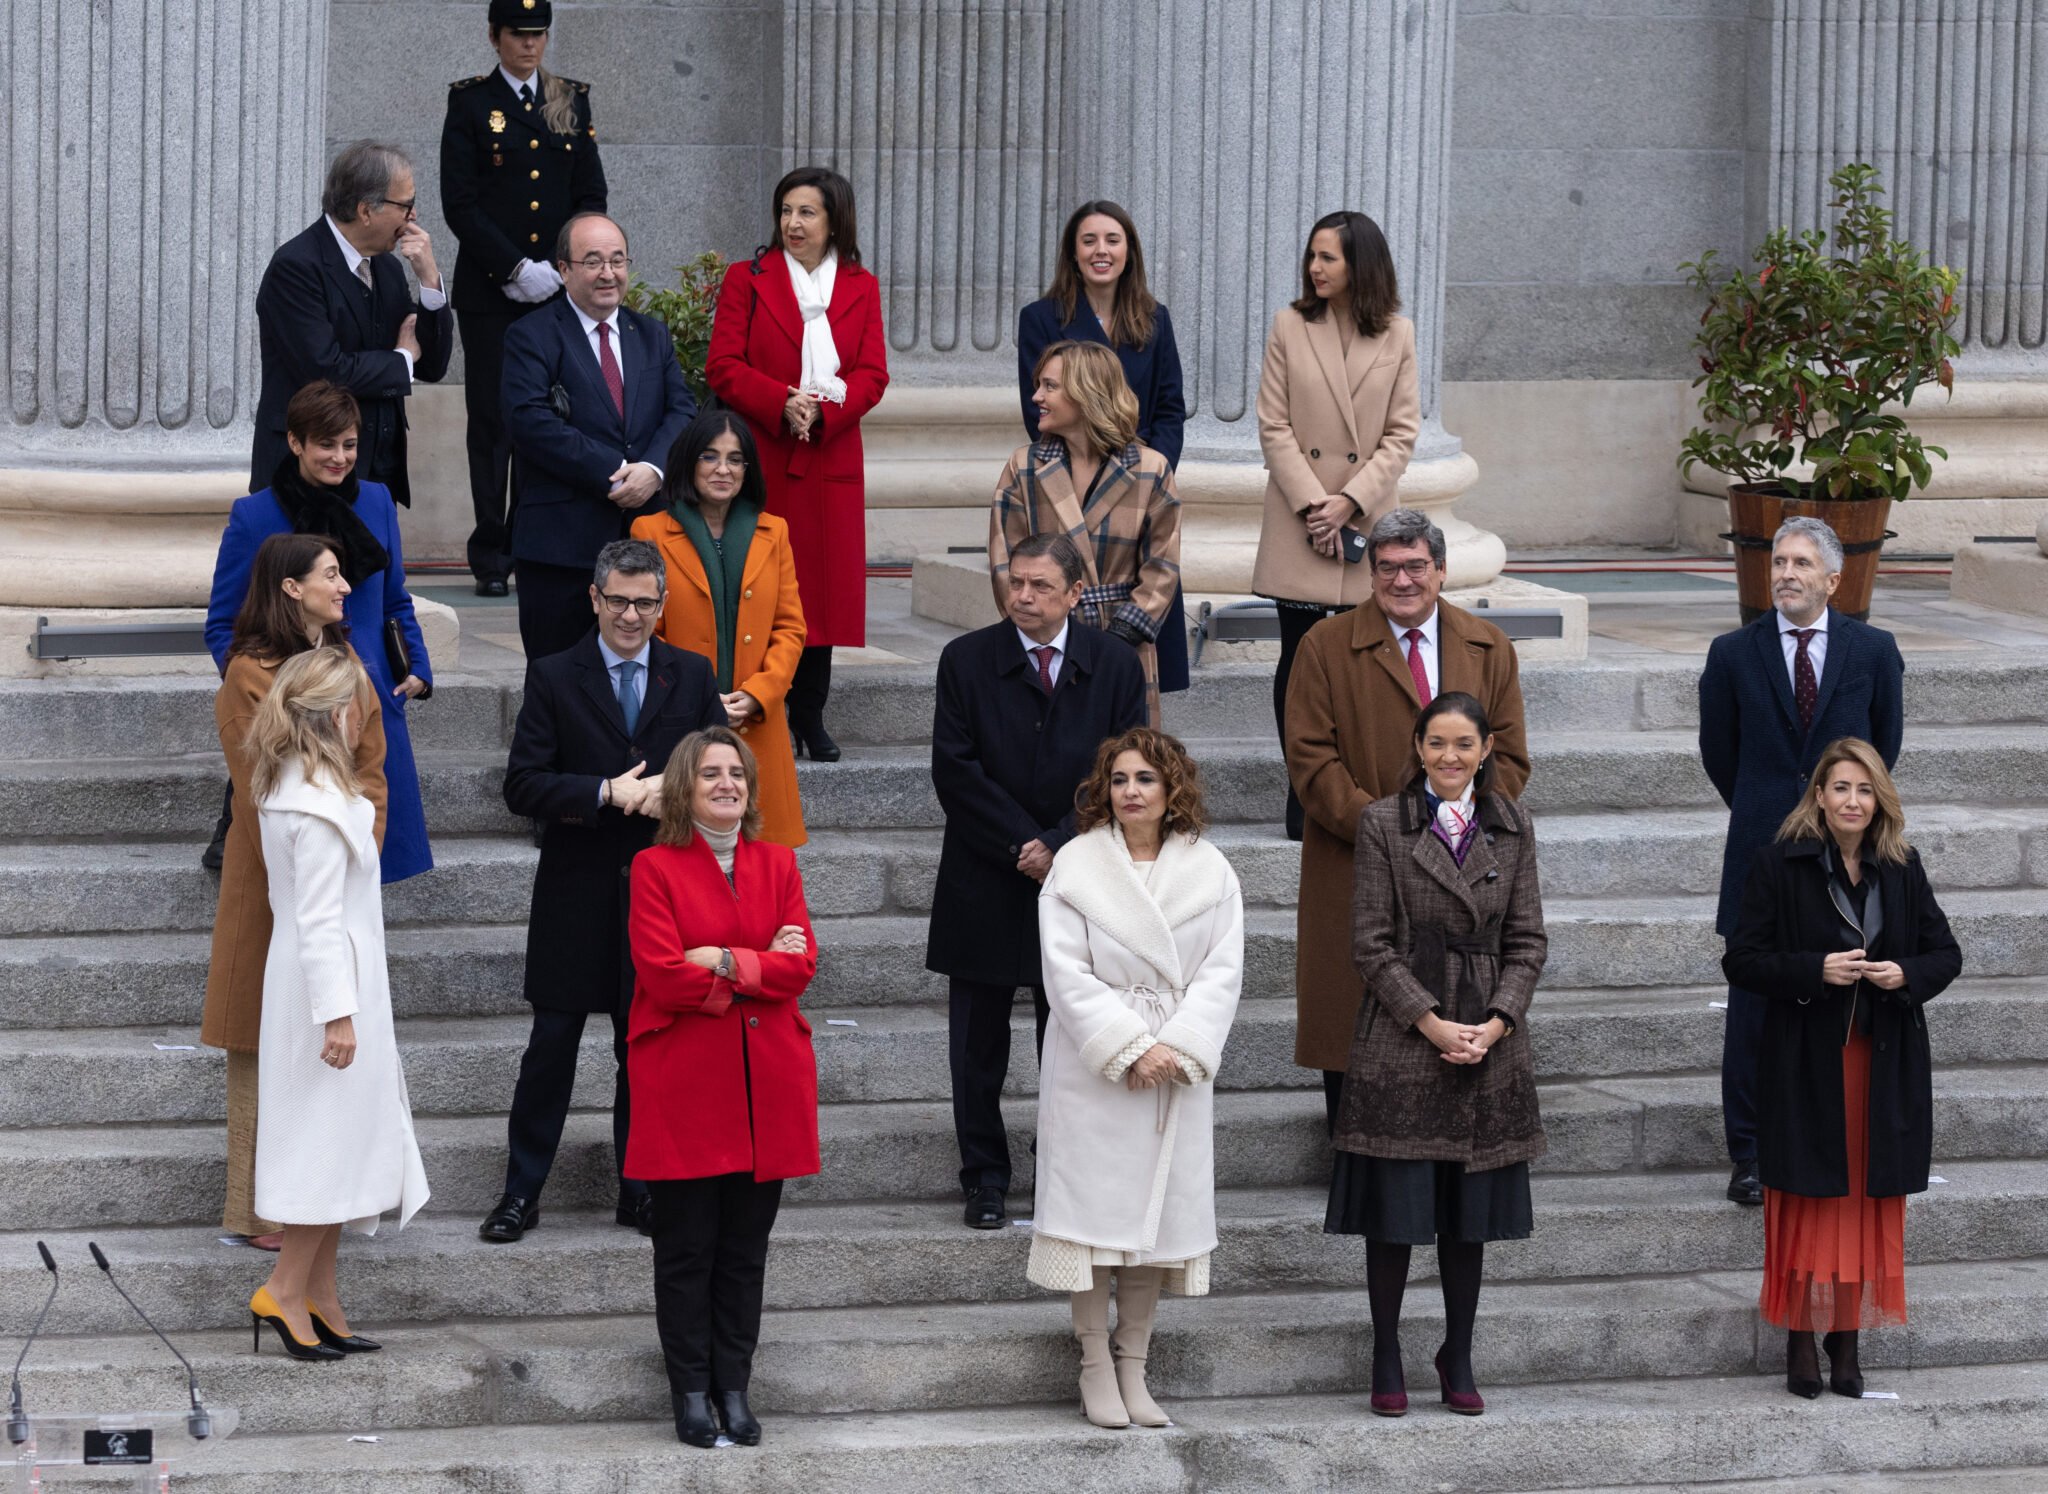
(197, 1422)
(17, 1418)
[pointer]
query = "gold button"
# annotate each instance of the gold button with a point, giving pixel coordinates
(750, 591)
(747, 638)
(533, 145)
(533, 207)
(533, 238)
(533, 175)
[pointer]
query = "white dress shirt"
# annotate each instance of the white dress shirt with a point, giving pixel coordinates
(530, 83)
(1816, 646)
(1058, 647)
(612, 661)
(430, 299)
(1429, 650)
(590, 326)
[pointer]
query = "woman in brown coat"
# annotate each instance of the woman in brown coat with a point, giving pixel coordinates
(1438, 1120)
(296, 599)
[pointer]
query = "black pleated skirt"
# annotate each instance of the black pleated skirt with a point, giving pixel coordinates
(1403, 1201)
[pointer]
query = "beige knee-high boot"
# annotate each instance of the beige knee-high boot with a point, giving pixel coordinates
(1100, 1402)
(1137, 1299)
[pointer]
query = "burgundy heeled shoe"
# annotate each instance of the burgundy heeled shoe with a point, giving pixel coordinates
(1390, 1402)
(1463, 1402)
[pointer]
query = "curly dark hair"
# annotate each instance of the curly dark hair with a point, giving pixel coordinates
(1185, 812)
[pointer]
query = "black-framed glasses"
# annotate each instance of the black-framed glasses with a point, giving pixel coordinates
(590, 264)
(616, 606)
(406, 207)
(1414, 570)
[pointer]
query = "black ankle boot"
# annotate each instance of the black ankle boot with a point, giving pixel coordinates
(1845, 1373)
(1802, 1366)
(738, 1417)
(807, 732)
(694, 1422)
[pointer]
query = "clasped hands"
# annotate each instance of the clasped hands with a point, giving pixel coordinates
(633, 483)
(1157, 1065)
(1461, 1042)
(634, 794)
(1848, 967)
(800, 413)
(789, 939)
(532, 281)
(1326, 521)
(1034, 860)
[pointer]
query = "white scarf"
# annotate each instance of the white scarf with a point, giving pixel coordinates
(813, 299)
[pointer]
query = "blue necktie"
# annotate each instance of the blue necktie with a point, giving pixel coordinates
(629, 696)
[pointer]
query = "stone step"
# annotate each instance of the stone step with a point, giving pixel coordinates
(1584, 1433)
(950, 1355)
(829, 1255)
(466, 1066)
(906, 1150)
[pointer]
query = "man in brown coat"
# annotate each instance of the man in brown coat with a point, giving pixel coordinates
(1359, 678)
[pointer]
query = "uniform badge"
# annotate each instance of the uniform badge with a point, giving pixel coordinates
(497, 160)
(497, 121)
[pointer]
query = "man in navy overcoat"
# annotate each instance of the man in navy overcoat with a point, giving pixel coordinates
(1774, 694)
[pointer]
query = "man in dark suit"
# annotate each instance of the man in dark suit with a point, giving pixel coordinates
(334, 305)
(518, 156)
(595, 730)
(1774, 694)
(593, 399)
(1022, 707)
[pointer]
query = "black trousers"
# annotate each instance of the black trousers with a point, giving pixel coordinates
(490, 450)
(978, 1026)
(554, 607)
(710, 1255)
(811, 685)
(1742, 1039)
(1295, 621)
(1333, 1095)
(540, 1102)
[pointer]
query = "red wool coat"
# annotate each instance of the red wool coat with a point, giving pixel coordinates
(722, 1073)
(818, 486)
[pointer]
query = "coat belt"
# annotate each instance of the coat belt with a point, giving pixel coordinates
(1429, 961)
(1155, 1006)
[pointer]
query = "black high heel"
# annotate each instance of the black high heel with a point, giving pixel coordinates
(1806, 1387)
(694, 1421)
(810, 738)
(348, 1343)
(1851, 1384)
(738, 1417)
(263, 1309)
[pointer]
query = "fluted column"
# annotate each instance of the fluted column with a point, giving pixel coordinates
(156, 154)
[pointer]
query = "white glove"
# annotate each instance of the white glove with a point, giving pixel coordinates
(533, 282)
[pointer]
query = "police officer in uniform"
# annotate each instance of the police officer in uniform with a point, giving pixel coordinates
(518, 159)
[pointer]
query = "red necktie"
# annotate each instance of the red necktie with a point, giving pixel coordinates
(1415, 665)
(1805, 688)
(1044, 657)
(610, 366)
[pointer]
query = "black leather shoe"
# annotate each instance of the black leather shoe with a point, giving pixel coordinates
(811, 739)
(738, 1417)
(1744, 1186)
(694, 1422)
(216, 849)
(985, 1209)
(511, 1218)
(637, 1212)
(1845, 1373)
(493, 586)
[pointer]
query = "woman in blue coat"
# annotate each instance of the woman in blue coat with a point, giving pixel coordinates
(1099, 294)
(315, 491)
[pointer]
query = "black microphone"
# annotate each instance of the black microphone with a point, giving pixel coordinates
(17, 1418)
(197, 1421)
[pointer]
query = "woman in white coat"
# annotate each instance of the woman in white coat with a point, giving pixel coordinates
(334, 1135)
(1141, 925)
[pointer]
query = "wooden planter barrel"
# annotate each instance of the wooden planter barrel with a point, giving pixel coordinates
(1754, 514)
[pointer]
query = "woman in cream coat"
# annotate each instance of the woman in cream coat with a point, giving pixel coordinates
(1339, 409)
(334, 1133)
(1141, 925)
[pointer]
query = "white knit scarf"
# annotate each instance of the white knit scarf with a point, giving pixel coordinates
(813, 299)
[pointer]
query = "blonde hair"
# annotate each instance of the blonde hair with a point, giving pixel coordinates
(558, 103)
(1093, 378)
(1885, 840)
(679, 782)
(297, 722)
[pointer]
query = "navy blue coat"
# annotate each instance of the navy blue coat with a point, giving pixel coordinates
(1750, 741)
(1006, 760)
(1153, 372)
(382, 596)
(566, 463)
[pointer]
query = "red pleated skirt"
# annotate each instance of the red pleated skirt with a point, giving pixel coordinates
(1837, 1265)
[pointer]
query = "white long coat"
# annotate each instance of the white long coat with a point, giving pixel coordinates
(333, 1146)
(1125, 1169)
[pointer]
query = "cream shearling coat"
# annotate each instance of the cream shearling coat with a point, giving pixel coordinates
(1126, 967)
(333, 1146)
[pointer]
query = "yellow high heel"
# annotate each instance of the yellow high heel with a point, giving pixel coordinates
(263, 1309)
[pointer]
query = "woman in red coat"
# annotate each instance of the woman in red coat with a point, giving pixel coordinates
(796, 347)
(728, 1106)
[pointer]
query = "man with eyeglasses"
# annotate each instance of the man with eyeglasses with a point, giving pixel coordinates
(1359, 679)
(593, 399)
(335, 304)
(596, 727)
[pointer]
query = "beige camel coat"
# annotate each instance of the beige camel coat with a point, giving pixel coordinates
(1330, 422)
(1351, 707)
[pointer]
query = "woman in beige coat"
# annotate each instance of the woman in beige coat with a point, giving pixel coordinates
(1339, 409)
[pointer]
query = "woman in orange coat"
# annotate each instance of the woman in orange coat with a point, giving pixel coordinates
(732, 597)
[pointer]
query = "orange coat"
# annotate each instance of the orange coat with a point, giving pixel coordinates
(764, 656)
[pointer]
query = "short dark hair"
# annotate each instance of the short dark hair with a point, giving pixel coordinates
(680, 484)
(1375, 293)
(321, 411)
(1458, 703)
(629, 557)
(1405, 526)
(844, 238)
(361, 173)
(1065, 553)
(271, 625)
(562, 238)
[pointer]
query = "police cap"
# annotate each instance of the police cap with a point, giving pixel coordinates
(523, 15)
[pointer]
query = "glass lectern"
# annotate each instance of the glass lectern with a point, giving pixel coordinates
(130, 1451)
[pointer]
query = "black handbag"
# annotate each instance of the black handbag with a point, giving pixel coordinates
(398, 658)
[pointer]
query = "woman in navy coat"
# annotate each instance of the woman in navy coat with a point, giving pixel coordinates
(315, 491)
(1099, 294)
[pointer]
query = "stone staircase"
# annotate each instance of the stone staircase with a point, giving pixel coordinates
(1620, 1345)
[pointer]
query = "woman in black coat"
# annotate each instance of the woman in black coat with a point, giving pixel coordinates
(1840, 931)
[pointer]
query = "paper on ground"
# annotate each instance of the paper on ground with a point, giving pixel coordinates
(841, 1022)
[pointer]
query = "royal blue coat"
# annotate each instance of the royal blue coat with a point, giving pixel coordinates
(1750, 741)
(383, 595)
(1153, 372)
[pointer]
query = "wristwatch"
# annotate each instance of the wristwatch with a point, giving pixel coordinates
(724, 963)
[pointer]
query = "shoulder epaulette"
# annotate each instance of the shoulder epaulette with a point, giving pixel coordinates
(467, 82)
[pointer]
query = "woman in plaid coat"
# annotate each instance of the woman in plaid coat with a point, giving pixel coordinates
(1438, 1120)
(1086, 476)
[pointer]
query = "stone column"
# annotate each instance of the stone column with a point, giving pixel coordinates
(157, 154)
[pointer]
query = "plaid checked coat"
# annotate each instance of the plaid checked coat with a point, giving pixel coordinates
(1128, 534)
